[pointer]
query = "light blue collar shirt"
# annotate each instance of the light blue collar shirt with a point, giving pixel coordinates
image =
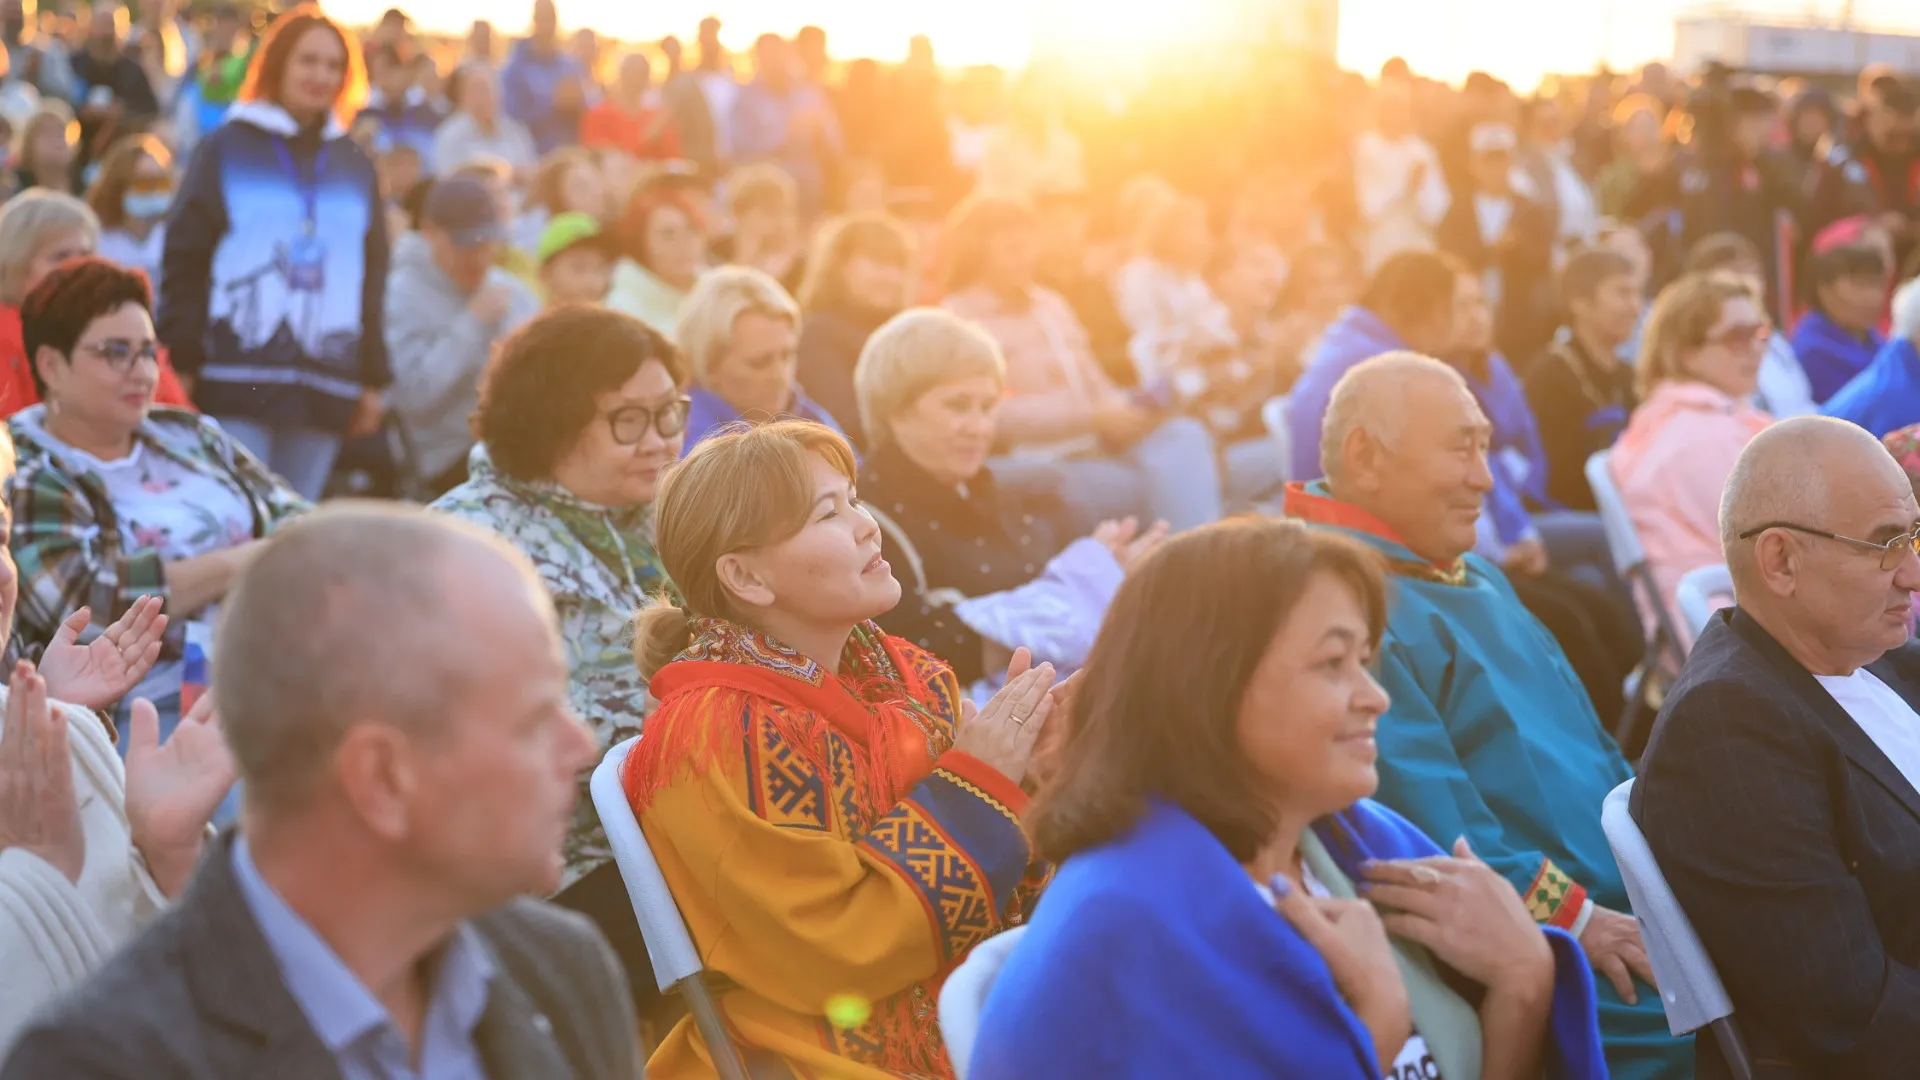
(350, 1021)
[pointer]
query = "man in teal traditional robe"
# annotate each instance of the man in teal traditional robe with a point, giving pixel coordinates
(1490, 735)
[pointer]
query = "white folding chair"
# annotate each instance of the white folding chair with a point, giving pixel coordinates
(965, 995)
(676, 963)
(1630, 563)
(1690, 988)
(1699, 592)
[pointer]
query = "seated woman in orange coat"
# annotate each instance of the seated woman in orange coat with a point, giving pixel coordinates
(39, 230)
(836, 827)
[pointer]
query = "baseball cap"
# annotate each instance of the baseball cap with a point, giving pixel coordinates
(568, 231)
(464, 207)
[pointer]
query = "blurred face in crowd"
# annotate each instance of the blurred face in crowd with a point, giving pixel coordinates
(316, 72)
(1250, 284)
(1611, 313)
(873, 282)
(108, 24)
(1640, 135)
(634, 78)
(49, 146)
(399, 171)
(829, 575)
(392, 77)
(1308, 714)
(754, 372)
(1492, 172)
(624, 449)
(1321, 287)
(1729, 359)
(465, 265)
(676, 248)
(1547, 125)
(1629, 243)
(107, 383)
(546, 22)
(866, 191)
(480, 94)
(948, 431)
(485, 802)
(585, 190)
(1810, 126)
(1393, 107)
(149, 189)
(1472, 318)
(1750, 133)
(772, 61)
(55, 248)
(1426, 474)
(1011, 256)
(578, 275)
(1892, 130)
(480, 39)
(1854, 301)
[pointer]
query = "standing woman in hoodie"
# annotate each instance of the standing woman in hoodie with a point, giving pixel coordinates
(276, 259)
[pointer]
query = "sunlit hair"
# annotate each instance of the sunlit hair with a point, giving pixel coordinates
(1683, 315)
(108, 194)
(881, 239)
(973, 227)
(27, 222)
(267, 75)
(708, 314)
(1208, 603)
(764, 186)
(648, 200)
(58, 311)
(746, 487)
(914, 352)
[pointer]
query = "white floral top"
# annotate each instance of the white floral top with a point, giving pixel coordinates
(168, 506)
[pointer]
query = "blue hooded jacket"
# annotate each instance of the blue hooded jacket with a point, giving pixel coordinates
(1831, 355)
(1886, 396)
(1356, 336)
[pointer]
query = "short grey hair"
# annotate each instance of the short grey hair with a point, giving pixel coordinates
(342, 618)
(1372, 397)
(707, 315)
(27, 221)
(912, 353)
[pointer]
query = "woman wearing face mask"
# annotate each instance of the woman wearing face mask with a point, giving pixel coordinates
(837, 828)
(131, 196)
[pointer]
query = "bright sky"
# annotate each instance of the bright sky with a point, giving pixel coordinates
(1519, 40)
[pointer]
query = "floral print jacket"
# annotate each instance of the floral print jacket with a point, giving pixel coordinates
(599, 565)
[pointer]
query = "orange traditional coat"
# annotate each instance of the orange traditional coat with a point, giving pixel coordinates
(832, 854)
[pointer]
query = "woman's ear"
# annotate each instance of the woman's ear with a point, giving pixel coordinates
(741, 578)
(45, 360)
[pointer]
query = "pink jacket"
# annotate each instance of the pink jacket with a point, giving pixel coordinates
(1671, 464)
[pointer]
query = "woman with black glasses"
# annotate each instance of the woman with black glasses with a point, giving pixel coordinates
(580, 412)
(116, 498)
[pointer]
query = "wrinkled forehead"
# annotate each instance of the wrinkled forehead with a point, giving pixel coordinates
(1874, 497)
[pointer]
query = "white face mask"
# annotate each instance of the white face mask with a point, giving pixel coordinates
(144, 205)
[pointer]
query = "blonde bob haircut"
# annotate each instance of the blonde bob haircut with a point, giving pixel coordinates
(708, 314)
(27, 222)
(746, 487)
(911, 354)
(1683, 315)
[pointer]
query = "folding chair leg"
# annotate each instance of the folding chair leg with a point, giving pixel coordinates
(1732, 1048)
(713, 1029)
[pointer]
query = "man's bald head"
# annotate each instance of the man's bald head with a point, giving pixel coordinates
(356, 612)
(1802, 471)
(1377, 397)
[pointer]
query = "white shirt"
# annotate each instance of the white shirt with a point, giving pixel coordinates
(1395, 219)
(1884, 715)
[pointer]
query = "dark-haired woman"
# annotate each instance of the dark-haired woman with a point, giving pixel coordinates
(276, 259)
(115, 499)
(1229, 900)
(580, 412)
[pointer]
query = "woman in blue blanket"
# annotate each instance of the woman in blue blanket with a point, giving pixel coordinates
(1229, 903)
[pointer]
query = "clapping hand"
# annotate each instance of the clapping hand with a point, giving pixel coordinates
(38, 808)
(1003, 733)
(98, 674)
(1467, 915)
(174, 787)
(1128, 544)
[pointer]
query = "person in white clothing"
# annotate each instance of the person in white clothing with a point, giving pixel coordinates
(1397, 179)
(90, 849)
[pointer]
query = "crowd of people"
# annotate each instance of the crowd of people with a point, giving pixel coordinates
(1193, 549)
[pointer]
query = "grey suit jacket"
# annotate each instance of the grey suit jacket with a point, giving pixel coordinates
(198, 996)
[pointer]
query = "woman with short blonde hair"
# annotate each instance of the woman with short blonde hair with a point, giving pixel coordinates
(984, 570)
(773, 680)
(39, 229)
(1698, 369)
(738, 330)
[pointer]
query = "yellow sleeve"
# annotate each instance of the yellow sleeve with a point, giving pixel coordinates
(784, 899)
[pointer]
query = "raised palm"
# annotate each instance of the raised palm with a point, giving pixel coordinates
(98, 674)
(173, 787)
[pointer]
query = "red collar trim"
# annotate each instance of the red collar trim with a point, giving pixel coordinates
(1317, 509)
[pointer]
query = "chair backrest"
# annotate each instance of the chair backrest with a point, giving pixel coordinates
(1622, 540)
(965, 995)
(1699, 592)
(669, 945)
(1690, 988)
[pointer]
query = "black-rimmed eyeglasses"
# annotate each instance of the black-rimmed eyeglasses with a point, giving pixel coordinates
(629, 423)
(1891, 552)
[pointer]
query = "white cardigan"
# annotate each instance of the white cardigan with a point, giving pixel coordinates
(52, 932)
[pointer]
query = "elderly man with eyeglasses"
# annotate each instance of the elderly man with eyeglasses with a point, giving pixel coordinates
(1781, 789)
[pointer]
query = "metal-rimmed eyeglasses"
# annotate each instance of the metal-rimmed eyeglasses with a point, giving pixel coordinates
(630, 423)
(1891, 552)
(120, 355)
